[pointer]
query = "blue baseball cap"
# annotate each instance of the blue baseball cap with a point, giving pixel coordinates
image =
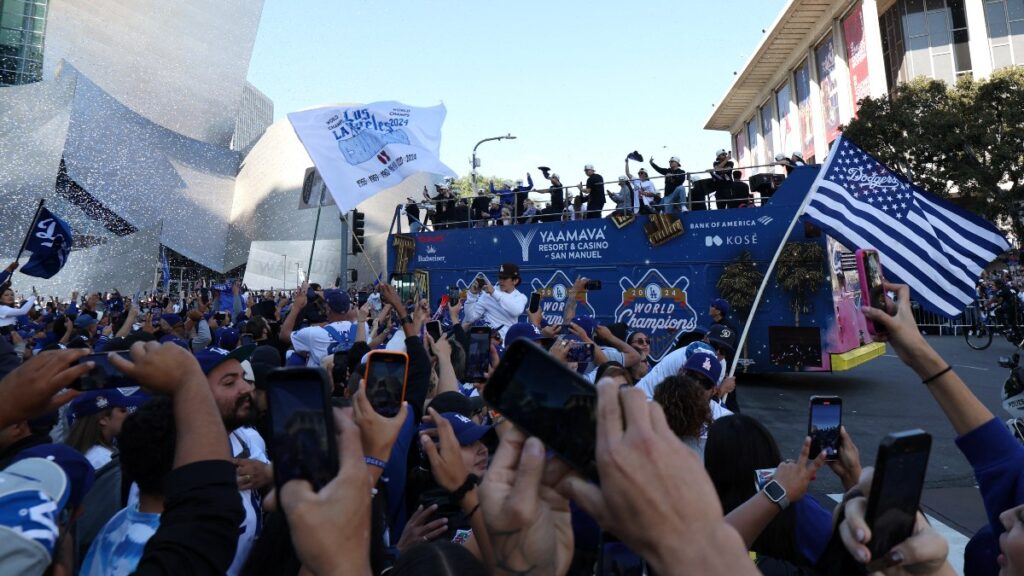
(466, 431)
(27, 540)
(210, 358)
(95, 401)
(587, 323)
(705, 364)
(174, 340)
(227, 338)
(722, 304)
(84, 321)
(337, 300)
(698, 346)
(79, 472)
(522, 330)
(172, 319)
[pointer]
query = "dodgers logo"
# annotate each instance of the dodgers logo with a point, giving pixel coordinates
(658, 308)
(554, 295)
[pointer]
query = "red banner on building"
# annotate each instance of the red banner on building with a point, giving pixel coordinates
(825, 55)
(857, 56)
(802, 80)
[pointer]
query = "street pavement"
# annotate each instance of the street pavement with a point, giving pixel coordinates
(884, 396)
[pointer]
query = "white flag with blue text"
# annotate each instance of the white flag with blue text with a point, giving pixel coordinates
(361, 150)
(936, 248)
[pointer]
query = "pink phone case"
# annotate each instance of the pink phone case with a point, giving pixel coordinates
(862, 275)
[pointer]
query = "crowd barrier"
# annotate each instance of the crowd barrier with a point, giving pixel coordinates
(937, 325)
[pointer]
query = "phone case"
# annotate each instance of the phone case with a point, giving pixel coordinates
(862, 276)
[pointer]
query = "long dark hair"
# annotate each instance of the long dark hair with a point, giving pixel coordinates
(737, 446)
(438, 559)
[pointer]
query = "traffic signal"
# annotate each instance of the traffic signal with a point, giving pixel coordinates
(358, 224)
(353, 275)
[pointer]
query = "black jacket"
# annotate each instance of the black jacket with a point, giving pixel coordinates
(675, 177)
(198, 530)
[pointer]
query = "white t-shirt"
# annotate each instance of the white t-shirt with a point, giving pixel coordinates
(247, 443)
(499, 310)
(316, 341)
(670, 365)
(98, 456)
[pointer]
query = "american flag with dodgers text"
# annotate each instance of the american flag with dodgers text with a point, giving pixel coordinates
(936, 248)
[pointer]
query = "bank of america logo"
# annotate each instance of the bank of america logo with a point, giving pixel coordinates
(524, 242)
(766, 220)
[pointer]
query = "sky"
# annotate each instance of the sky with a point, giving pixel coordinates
(575, 82)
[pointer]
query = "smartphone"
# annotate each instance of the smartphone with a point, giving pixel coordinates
(580, 352)
(869, 268)
(434, 329)
(592, 285)
(896, 491)
(823, 422)
(362, 298)
(454, 294)
(246, 339)
(386, 374)
(534, 302)
(548, 400)
(104, 375)
(478, 357)
(302, 442)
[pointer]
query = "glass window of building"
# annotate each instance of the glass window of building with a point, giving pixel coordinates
(22, 24)
(767, 132)
(802, 82)
(1005, 21)
(925, 38)
(753, 142)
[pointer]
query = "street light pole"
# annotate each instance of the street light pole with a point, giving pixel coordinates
(476, 163)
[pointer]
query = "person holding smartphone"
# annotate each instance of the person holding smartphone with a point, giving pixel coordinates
(995, 455)
(499, 307)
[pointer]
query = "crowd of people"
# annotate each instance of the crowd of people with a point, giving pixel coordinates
(509, 202)
(1000, 294)
(166, 469)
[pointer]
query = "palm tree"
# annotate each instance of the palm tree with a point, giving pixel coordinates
(800, 272)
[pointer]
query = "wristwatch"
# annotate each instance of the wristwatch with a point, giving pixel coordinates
(407, 319)
(776, 493)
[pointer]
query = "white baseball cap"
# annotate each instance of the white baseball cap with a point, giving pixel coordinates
(555, 176)
(623, 179)
(780, 157)
(674, 159)
(588, 167)
(721, 151)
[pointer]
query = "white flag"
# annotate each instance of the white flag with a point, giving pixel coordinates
(361, 150)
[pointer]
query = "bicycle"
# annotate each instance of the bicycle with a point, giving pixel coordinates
(979, 334)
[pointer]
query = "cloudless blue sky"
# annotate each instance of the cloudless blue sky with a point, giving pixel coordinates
(576, 82)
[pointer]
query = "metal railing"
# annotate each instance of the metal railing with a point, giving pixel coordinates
(938, 325)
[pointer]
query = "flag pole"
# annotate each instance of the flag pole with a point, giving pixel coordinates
(28, 235)
(778, 252)
(316, 228)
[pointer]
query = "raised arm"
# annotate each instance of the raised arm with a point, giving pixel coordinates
(963, 409)
(657, 168)
(298, 304)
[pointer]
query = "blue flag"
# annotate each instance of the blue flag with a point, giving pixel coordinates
(165, 271)
(936, 248)
(50, 242)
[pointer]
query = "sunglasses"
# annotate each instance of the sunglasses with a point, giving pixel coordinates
(503, 277)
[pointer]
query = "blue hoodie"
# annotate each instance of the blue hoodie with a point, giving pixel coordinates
(998, 462)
